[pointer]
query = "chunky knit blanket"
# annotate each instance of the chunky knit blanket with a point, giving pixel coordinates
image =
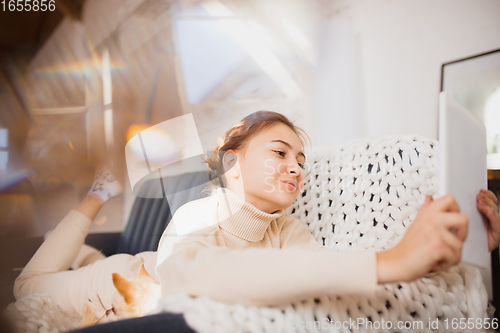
(359, 195)
(37, 313)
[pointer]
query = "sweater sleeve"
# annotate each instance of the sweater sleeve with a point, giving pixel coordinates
(265, 276)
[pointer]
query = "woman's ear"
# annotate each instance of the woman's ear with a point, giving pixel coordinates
(229, 161)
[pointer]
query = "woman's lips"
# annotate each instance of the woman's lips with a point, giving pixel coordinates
(290, 185)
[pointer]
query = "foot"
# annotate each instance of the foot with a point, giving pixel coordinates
(105, 186)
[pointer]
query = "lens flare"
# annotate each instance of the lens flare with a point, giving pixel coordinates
(68, 141)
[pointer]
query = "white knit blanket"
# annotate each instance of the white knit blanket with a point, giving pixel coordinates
(37, 313)
(444, 297)
(359, 195)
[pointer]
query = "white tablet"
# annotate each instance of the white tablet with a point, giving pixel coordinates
(463, 173)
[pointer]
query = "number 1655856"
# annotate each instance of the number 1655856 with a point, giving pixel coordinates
(28, 5)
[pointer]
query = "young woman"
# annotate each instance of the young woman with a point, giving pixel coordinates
(242, 249)
(237, 246)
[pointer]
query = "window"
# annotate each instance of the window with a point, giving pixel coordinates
(233, 60)
(4, 153)
(474, 82)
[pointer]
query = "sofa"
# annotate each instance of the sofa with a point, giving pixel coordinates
(358, 195)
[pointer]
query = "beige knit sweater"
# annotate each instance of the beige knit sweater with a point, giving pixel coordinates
(226, 249)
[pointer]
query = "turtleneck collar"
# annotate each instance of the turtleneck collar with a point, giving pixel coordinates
(242, 219)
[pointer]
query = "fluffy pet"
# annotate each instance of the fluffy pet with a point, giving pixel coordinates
(134, 298)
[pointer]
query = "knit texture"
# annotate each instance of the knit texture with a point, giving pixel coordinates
(37, 313)
(242, 219)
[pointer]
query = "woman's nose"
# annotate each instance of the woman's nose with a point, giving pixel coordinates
(294, 168)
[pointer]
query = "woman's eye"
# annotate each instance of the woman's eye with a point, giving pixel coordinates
(279, 152)
(302, 166)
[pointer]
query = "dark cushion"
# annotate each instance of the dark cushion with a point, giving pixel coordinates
(163, 322)
(150, 216)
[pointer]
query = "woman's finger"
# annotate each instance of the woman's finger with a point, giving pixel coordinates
(455, 244)
(454, 221)
(482, 207)
(446, 204)
(487, 200)
(490, 195)
(427, 201)
(447, 259)
(490, 212)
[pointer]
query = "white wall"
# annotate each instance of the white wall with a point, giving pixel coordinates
(400, 47)
(386, 78)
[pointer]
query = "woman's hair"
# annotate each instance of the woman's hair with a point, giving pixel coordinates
(237, 137)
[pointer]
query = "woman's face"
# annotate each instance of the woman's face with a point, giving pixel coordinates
(270, 168)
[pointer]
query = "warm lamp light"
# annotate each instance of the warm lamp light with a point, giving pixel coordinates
(136, 128)
(150, 148)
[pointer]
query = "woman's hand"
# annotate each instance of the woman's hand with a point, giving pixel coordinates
(487, 204)
(432, 242)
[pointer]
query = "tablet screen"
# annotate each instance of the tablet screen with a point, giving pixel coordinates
(463, 171)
